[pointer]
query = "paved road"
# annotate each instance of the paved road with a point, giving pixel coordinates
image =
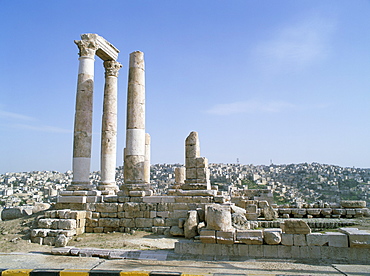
(174, 263)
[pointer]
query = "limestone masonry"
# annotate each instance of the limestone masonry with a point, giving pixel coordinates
(236, 221)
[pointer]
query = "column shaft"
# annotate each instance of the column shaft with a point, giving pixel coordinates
(135, 126)
(109, 127)
(83, 116)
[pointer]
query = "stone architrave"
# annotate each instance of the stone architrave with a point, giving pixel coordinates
(89, 46)
(109, 128)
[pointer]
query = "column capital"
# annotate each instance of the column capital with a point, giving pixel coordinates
(87, 48)
(112, 67)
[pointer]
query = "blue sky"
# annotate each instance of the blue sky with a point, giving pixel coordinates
(286, 81)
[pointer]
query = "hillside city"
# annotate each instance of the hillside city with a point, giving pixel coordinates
(293, 183)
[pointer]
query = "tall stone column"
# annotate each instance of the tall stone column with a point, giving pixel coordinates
(109, 128)
(134, 162)
(147, 159)
(83, 116)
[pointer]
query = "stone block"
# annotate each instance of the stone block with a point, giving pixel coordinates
(190, 163)
(299, 240)
(313, 252)
(251, 208)
(171, 222)
(225, 237)
(67, 224)
(71, 199)
(326, 211)
(357, 238)
(127, 222)
(336, 239)
(316, 239)
(121, 214)
(144, 222)
(285, 211)
(202, 173)
(48, 241)
(284, 252)
(201, 162)
(353, 203)
(134, 214)
(180, 206)
(161, 207)
(131, 207)
(287, 239)
(270, 251)
(272, 236)
(295, 227)
(191, 173)
(250, 236)
(110, 198)
(314, 211)
(98, 230)
(93, 199)
(158, 222)
(163, 214)
(104, 215)
(177, 214)
(95, 215)
(350, 212)
(255, 251)
(252, 216)
(218, 217)
(107, 207)
(208, 236)
(176, 231)
(109, 222)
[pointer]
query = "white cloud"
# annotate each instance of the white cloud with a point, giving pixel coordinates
(17, 116)
(297, 45)
(20, 121)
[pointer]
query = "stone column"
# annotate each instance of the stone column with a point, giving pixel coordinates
(135, 126)
(109, 128)
(147, 159)
(197, 171)
(83, 116)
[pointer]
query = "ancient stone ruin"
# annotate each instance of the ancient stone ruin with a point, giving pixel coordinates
(215, 222)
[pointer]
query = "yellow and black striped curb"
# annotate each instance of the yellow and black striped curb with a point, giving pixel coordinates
(88, 272)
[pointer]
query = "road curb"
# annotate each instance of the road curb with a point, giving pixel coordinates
(87, 272)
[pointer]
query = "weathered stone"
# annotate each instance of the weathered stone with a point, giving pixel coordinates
(191, 223)
(176, 231)
(353, 203)
(269, 213)
(67, 224)
(317, 239)
(61, 241)
(250, 236)
(109, 222)
(336, 239)
(287, 239)
(251, 208)
(357, 238)
(218, 217)
(299, 240)
(272, 236)
(207, 236)
(296, 227)
(239, 221)
(225, 237)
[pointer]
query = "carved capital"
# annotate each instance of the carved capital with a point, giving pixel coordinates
(112, 67)
(87, 48)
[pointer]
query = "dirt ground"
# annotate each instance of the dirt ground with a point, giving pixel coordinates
(15, 237)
